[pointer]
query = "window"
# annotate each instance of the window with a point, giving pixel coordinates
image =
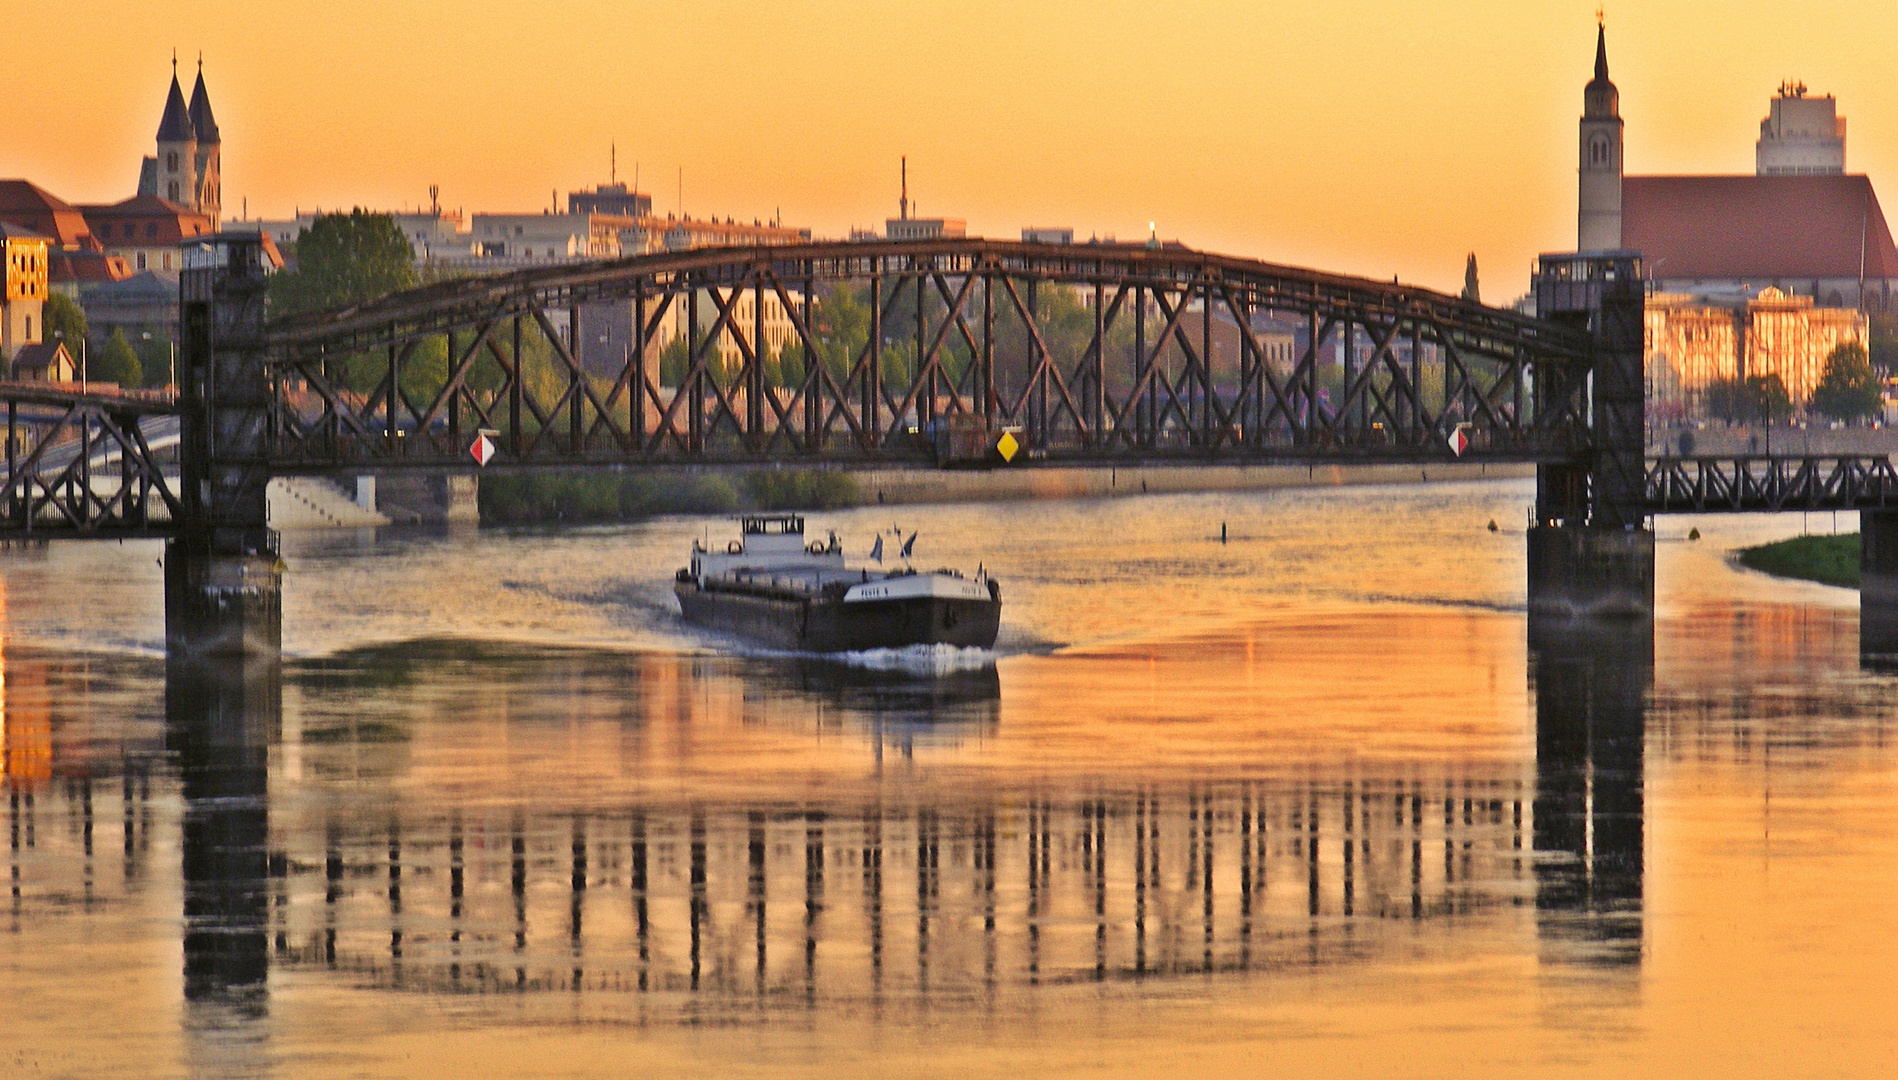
(29, 328)
(151, 230)
(171, 162)
(141, 260)
(173, 188)
(167, 260)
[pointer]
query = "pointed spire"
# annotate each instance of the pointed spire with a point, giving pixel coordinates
(1601, 51)
(176, 125)
(202, 121)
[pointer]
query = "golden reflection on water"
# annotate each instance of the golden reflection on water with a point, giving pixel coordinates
(1323, 841)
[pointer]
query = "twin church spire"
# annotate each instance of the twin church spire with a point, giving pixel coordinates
(186, 170)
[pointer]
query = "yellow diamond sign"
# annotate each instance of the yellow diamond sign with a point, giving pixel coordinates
(1007, 446)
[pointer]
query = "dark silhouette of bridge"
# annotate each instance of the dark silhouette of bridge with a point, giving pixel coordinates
(898, 354)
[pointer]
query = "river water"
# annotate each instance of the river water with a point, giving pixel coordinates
(1307, 801)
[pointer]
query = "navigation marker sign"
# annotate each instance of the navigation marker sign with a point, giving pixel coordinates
(1459, 441)
(483, 448)
(1007, 446)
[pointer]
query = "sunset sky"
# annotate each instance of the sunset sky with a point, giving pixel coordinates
(1377, 138)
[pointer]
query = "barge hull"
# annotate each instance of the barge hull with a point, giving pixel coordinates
(829, 625)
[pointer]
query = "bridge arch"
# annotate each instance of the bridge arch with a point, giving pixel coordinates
(887, 352)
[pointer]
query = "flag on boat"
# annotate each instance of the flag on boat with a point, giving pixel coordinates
(908, 544)
(876, 551)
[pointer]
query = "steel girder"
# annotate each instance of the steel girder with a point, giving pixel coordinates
(79, 465)
(957, 332)
(1711, 485)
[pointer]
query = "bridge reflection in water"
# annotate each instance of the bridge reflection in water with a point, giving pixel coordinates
(910, 893)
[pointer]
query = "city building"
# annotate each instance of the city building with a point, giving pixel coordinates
(74, 256)
(1801, 136)
(613, 199)
(146, 230)
(436, 235)
(1692, 344)
(904, 226)
(1798, 226)
(187, 169)
(22, 303)
(47, 361)
(1036, 235)
(145, 303)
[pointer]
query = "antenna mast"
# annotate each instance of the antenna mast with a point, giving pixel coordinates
(903, 203)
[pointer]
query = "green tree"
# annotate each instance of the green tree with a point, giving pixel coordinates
(1848, 390)
(344, 259)
(62, 319)
(115, 363)
(154, 356)
(1750, 400)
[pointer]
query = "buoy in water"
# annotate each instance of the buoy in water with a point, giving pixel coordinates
(1693, 534)
(1492, 524)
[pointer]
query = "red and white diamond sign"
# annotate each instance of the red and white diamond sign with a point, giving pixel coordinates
(1459, 441)
(482, 449)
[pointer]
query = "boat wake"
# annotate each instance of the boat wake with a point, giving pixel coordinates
(920, 659)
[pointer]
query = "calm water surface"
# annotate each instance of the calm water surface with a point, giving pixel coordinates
(1308, 802)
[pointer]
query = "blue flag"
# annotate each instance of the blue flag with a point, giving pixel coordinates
(876, 552)
(908, 544)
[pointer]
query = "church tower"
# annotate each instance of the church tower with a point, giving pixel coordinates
(208, 199)
(1600, 203)
(176, 178)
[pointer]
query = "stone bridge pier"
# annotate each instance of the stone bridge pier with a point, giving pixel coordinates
(1878, 588)
(223, 579)
(1590, 552)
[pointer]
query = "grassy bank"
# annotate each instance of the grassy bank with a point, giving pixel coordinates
(1829, 560)
(594, 498)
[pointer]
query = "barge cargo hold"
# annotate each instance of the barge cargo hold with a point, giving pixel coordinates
(773, 588)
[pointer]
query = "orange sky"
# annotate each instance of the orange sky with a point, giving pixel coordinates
(1363, 136)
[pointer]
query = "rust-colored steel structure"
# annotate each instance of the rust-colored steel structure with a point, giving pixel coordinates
(958, 334)
(1710, 485)
(78, 463)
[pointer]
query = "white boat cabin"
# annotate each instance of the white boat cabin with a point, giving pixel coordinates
(771, 542)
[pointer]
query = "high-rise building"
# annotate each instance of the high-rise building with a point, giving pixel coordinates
(1801, 136)
(188, 167)
(1599, 224)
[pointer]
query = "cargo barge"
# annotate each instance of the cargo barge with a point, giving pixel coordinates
(774, 588)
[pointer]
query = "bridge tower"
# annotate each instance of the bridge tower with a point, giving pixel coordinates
(1590, 552)
(222, 575)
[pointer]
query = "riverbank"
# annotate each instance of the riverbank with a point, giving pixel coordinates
(1828, 560)
(637, 494)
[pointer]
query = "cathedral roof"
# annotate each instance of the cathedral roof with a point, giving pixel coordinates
(1757, 228)
(201, 119)
(176, 125)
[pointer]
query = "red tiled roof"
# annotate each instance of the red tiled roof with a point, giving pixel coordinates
(84, 267)
(151, 221)
(1757, 227)
(30, 206)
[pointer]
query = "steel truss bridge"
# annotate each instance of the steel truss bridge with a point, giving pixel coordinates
(1085, 354)
(1167, 361)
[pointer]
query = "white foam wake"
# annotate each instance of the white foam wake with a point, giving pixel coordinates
(921, 659)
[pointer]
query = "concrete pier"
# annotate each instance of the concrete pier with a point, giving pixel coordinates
(1581, 572)
(1878, 587)
(219, 605)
